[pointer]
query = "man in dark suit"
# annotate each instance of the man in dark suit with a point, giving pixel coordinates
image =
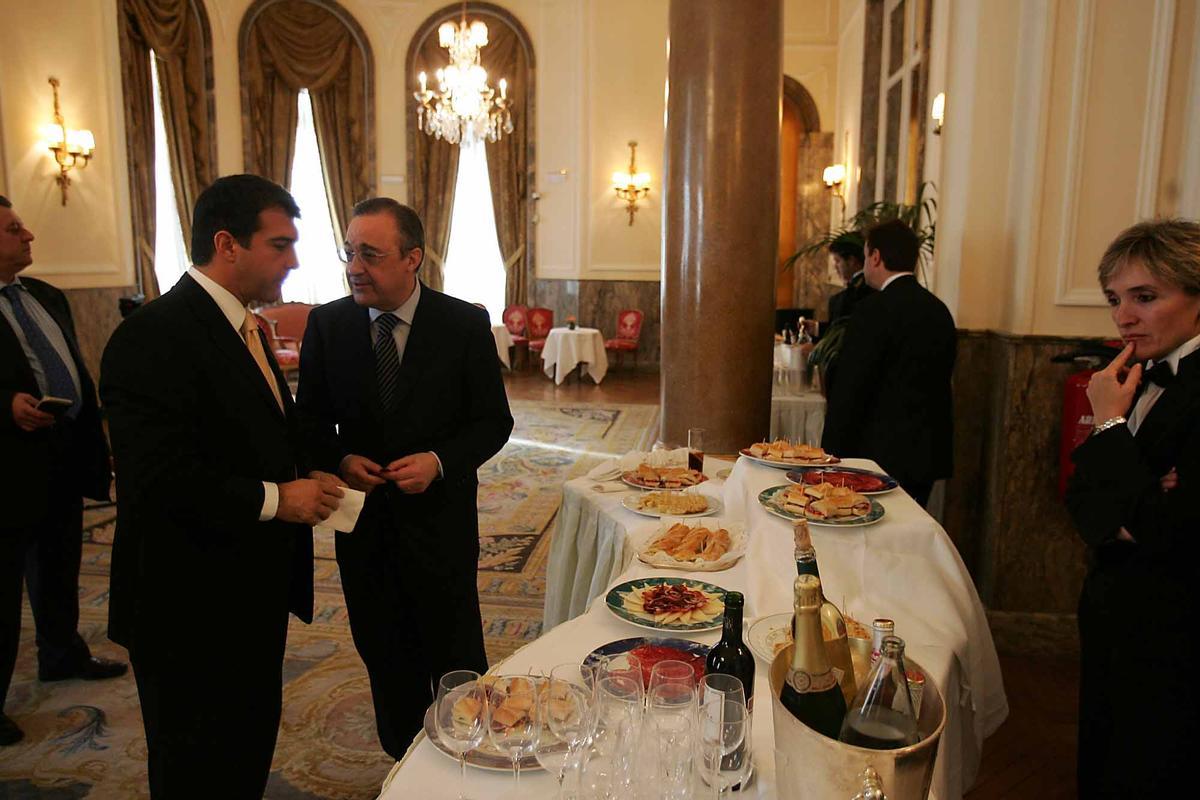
(51, 461)
(847, 252)
(213, 545)
(891, 402)
(411, 379)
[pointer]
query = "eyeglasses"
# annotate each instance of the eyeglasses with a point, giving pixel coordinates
(370, 257)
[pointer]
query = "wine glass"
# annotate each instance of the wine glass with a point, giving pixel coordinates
(734, 764)
(513, 718)
(565, 706)
(461, 717)
(672, 672)
(723, 729)
(672, 717)
(618, 723)
(621, 665)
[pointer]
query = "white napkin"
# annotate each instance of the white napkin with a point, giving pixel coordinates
(345, 516)
(612, 468)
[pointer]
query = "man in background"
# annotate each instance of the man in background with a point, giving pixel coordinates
(847, 252)
(892, 399)
(213, 544)
(410, 378)
(52, 458)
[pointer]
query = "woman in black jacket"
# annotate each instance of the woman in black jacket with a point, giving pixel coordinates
(1135, 500)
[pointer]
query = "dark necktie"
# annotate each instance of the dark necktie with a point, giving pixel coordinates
(387, 359)
(58, 376)
(1161, 374)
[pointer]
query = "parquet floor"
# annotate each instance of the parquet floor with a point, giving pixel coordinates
(1031, 756)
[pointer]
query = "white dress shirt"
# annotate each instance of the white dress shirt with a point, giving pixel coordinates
(1153, 391)
(889, 280)
(235, 312)
(49, 326)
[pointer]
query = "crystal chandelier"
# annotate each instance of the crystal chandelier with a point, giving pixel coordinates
(464, 109)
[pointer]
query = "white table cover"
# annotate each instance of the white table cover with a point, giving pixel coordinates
(565, 349)
(503, 343)
(903, 567)
(799, 417)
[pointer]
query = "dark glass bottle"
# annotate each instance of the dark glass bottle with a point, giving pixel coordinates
(731, 656)
(811, 690)
(833, 625)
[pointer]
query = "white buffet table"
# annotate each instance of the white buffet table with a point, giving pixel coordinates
(798, 417)
(566, 349)
(503, 343)
(903, 567)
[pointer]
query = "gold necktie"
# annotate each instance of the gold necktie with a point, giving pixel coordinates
(254, 342)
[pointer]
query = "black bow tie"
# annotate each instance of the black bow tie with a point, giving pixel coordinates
(1161, 374)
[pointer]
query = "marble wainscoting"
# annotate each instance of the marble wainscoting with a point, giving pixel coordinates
(96, 316)
(1002, 506)
(811, 286)
(596, 304)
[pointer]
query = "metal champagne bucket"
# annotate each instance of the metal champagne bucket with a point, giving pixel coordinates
(809, 766)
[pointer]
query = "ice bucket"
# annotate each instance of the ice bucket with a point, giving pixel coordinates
(809, 766)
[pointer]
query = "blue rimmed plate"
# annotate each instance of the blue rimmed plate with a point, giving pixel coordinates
(686, 646)
(623, 600)
(767, 499)
(842, 476)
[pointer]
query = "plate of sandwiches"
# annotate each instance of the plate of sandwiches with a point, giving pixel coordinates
(675, 478)
(821, 504)
(510, 711)
(663, 503)
(863, 481)
(782, 453)
(668, 604)
(706, 545)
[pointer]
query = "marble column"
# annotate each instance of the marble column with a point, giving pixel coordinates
(721, 219)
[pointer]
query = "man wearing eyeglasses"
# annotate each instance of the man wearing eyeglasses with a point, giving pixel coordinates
(403, 396)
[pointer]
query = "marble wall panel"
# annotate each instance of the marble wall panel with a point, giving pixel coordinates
(596, 304)
(558, 295)
(96, 316)
(811, 285)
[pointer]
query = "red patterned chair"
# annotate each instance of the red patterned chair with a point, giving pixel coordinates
(286, 350)
(288, 322)
(541, 320)
(629, 330)
(516, 318)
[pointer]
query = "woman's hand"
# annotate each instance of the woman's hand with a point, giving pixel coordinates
(1111, 390)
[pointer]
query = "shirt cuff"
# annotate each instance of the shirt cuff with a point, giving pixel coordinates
(441, 472)
(270, 502)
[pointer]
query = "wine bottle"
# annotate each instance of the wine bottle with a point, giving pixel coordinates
(811, 690)
(731, 656)
(833, 625)
(882, 716)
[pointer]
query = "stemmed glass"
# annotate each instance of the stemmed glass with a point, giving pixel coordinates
(513, 719)
(619, 700)
(725, 727)
(671, 672)
(566, 713)
(671, 709)
(625, 665)
(461, 717)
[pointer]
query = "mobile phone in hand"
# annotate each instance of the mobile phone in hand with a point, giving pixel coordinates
(54, 405)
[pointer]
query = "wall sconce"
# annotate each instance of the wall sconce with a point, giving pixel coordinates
(835, 177)
(71, 148)
(631, 186)
(938, 112)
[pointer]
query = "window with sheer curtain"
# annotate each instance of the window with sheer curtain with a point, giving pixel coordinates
(320, 276)
(170, 252)
(474, 270)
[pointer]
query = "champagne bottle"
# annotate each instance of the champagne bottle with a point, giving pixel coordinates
(811, 690)
(882, 716)
(731, 656)
(833, 625)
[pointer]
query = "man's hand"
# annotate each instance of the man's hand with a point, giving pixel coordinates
(326, 477)
(361, 473)
(1170, 480)
(412, 474)
(26, 415)
(307, 501)
(1111, 390)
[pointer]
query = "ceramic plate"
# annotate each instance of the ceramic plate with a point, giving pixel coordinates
(635, 483)
(486, 756)
(737, 545)
(631, 502)
(837, 476)
(693, 649)
(768, 632)
(615, 597)
(789, 463)
(766, 499)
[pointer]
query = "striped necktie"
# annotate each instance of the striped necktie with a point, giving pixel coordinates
(58, 375)
(387, 359)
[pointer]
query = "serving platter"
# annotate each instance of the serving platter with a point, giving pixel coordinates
(617, 596)
(692, 649)
(767, 632)
(790, 463)
(738, 537)
(841, 476)
(766, 498)
(486, 756)
(631, 502)
(630, 479)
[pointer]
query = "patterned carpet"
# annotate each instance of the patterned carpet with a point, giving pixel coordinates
(85, 739)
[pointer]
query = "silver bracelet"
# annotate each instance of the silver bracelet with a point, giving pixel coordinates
(1108, 423)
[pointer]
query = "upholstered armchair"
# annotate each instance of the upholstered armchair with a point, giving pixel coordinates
(629, 331)
(285, 350)
(541, 320)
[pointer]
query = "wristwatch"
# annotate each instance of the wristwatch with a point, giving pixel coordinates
(1108, 423)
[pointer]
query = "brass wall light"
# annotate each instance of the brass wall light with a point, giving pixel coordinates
(71, 148)
(631, 186)
(834, 177)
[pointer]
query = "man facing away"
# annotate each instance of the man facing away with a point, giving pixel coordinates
(213, 544)
(410, 378)
(892, 399)
(50, 461)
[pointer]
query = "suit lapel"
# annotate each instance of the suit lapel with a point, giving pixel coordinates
(418, 347)
(360, 356)
(11, 352)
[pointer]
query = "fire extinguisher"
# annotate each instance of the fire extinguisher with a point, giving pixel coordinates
(1077, 419)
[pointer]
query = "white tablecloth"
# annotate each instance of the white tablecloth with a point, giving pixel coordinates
(791, 369)
(565, 349)
(503, 343)
(799, 417)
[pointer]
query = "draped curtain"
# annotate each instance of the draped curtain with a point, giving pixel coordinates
(291, 45)
(433, 169)
(508, 159)
(177, 32)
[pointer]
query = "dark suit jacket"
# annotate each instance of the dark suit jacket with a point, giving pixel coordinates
(892, 401)
(451, 401)
(195, 432)
(843, 303)
(25, 467)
